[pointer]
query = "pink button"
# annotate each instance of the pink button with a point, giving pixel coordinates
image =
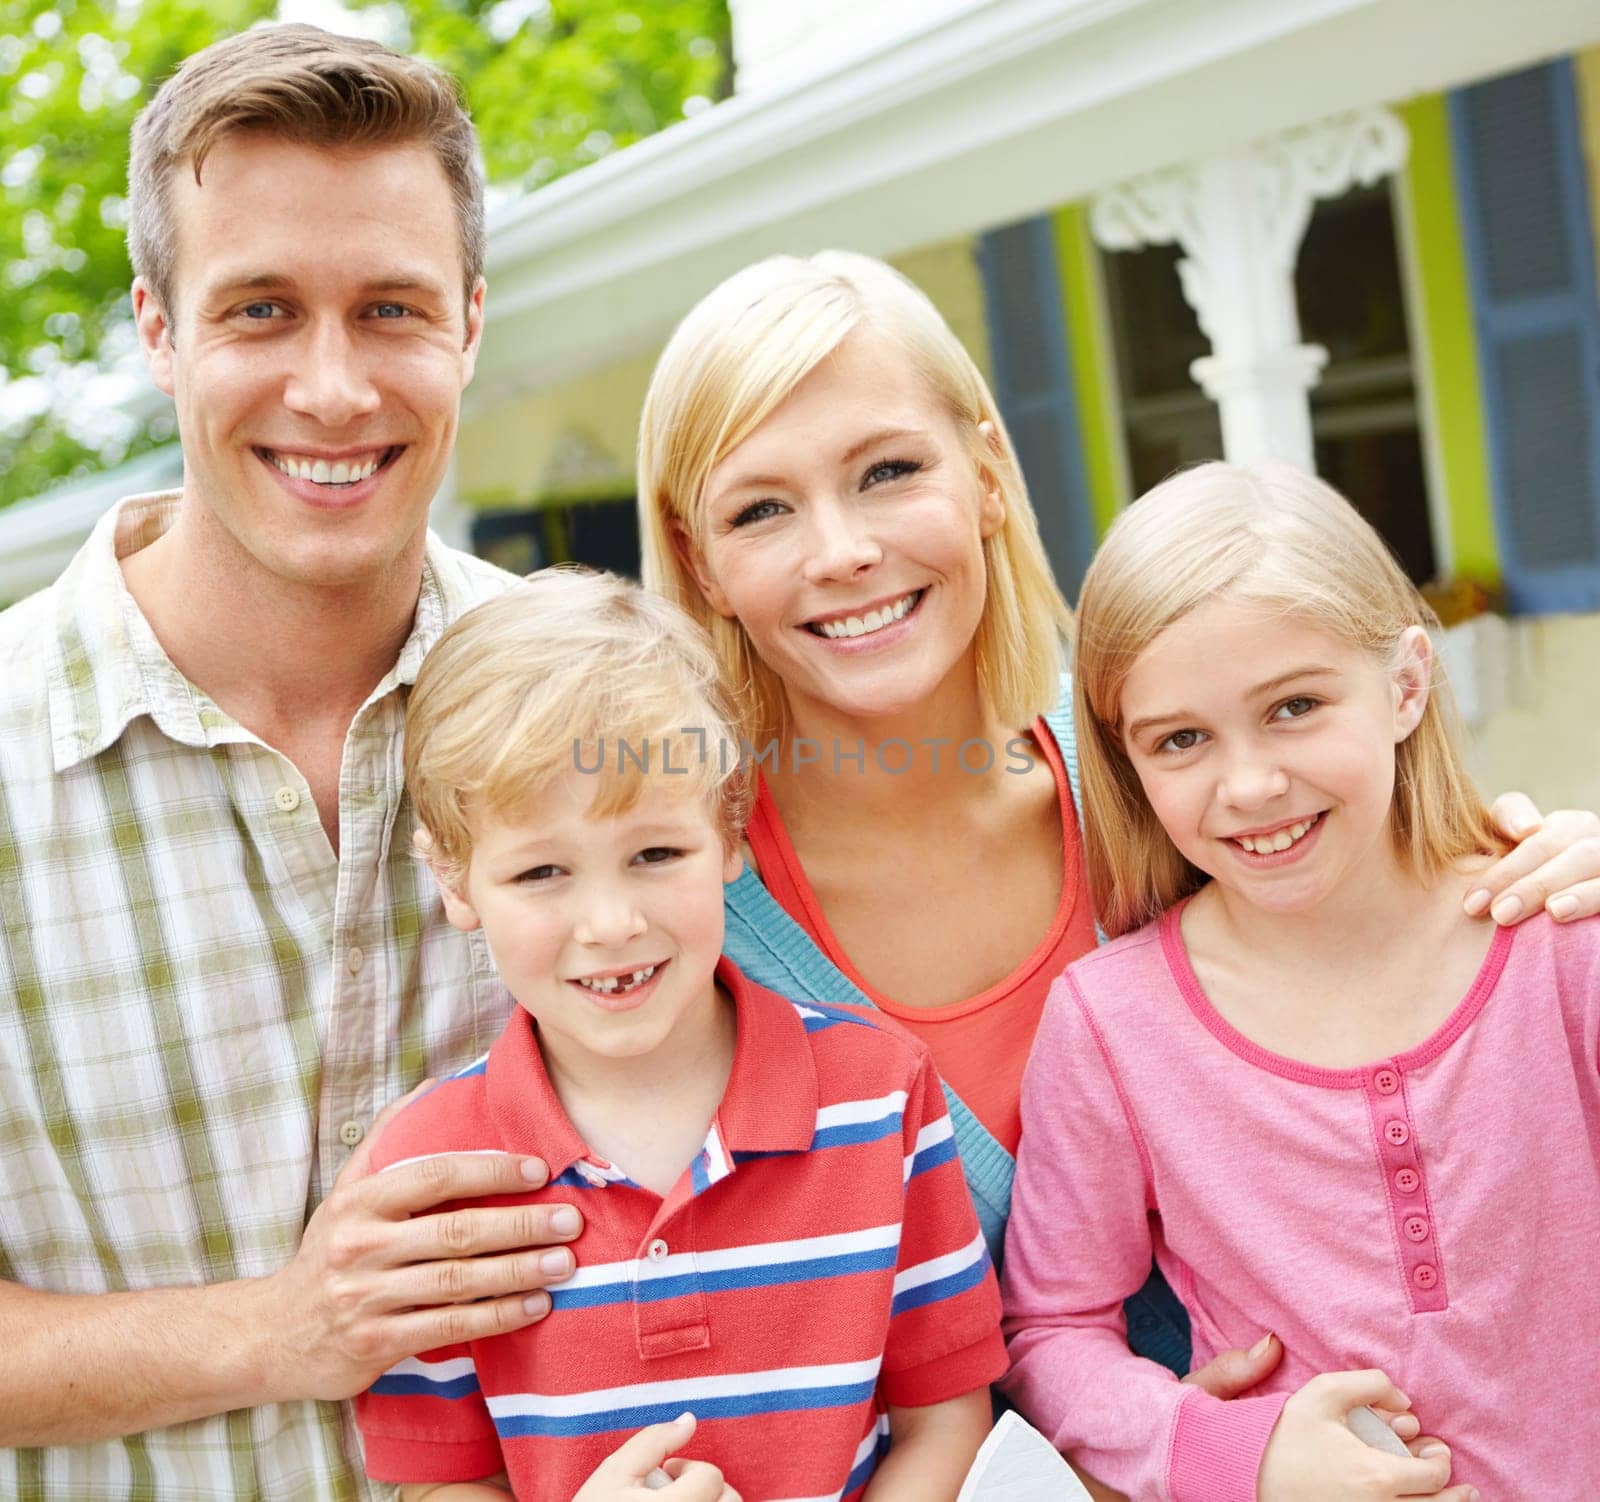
(1397, 1134)
(1407, 1181)
(1425, 1275)
(1415, 1227)
(1386, 1082)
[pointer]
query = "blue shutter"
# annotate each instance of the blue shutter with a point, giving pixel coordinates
(1033, 384)
(1530, 256)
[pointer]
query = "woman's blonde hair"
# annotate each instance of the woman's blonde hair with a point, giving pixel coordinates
(733, 361)
(568, 671)
(1276, 537)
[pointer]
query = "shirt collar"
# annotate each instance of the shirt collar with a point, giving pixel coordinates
(106, 667)
(770, 1105)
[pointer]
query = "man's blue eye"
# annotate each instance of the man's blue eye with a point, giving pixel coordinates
(391, 310)
(259, 310)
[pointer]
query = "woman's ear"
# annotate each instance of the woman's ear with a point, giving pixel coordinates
(1413, 680)
(694, 564)
(992, 508)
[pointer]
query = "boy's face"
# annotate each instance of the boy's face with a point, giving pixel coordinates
(605, 929)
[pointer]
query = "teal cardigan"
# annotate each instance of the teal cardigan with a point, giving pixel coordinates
(775, 951)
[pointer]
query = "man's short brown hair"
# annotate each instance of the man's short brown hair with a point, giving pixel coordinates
(304, 85)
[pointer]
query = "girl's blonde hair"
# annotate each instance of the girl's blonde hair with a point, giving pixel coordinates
(733, 361)
(1277, 537)
(567, 671)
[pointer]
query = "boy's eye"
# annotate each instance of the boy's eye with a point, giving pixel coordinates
(539, 873)
(1182, 740)
(756, 511)
(1294, 709)
(889, 469)
(656, 854)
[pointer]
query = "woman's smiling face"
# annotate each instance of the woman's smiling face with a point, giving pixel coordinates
(846, 536)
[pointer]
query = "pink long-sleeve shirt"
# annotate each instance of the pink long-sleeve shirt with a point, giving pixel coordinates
(1435, 1214)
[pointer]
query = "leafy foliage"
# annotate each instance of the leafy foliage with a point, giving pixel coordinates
(552, 85)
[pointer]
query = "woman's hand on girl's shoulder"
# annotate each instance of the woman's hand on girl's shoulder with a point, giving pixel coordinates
(1554, 865)
(1313, 1456)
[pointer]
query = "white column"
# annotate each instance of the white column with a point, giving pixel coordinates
(1239, 219)
(447, 516)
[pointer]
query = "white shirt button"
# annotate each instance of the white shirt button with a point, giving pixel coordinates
(657, 1250)
(355, 958)
(351, 1133)
(287, 799)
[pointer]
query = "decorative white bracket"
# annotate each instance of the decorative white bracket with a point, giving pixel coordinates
(1240, 219)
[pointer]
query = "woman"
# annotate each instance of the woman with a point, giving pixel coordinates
(825, 483)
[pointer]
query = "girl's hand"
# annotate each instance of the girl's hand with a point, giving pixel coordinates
(1313, 1457)
(1555, 865)
(621, 1476)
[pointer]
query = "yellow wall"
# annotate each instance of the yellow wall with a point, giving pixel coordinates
(1586, 67)
(1541, 741)
(522, 450)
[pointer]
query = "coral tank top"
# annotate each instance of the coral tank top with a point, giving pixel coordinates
(981, 1044)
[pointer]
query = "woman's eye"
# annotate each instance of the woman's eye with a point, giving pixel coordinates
(656, 854)
(1294, 709)
(1182, 740)
(756, 511)
(889, 469)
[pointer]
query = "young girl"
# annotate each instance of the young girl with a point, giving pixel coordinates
(1331, 1104)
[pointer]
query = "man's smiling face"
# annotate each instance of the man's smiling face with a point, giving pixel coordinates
(317, 352)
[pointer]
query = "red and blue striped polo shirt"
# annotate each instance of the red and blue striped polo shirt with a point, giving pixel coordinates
(819, 1260)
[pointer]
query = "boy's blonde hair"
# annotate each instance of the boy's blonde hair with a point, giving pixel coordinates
(1274, 536)
(567, 671)
(308, 86)
(733, 361)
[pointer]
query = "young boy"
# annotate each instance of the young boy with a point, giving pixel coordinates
(777, 1240)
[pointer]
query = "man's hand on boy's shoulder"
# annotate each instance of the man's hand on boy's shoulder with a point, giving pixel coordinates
(382, 1274)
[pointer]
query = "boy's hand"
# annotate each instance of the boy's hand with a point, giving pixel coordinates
(377, 1279)
(621, 1476)
(1314, 1457)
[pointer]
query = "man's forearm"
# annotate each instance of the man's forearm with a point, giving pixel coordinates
(84, 1367)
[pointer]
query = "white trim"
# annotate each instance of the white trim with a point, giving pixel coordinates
(986, 116)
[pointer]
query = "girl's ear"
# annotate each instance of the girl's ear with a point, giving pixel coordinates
(1413, 680)
(694, 563)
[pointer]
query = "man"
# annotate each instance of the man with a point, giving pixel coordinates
(218, 956)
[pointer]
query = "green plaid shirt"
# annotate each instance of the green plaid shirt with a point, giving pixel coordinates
(201, 1008)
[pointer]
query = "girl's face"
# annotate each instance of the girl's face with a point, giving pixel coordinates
(846, 536)
(1267, 749)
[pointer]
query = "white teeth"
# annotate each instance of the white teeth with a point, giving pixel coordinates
(1282, 839)
(874, 620)
(610, 983)
(321, 472)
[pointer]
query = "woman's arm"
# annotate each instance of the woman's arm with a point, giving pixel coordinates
(1554, 867)
(931, 1450)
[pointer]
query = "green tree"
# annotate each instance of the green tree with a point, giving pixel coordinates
(552, 84)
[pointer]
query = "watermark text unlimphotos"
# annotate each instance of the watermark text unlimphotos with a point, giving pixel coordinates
(894, 755)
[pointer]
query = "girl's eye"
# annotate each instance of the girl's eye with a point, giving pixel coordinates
(1294, 709)
(889, 469)
(657, 854)
(1182, 740)
(756, 511)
